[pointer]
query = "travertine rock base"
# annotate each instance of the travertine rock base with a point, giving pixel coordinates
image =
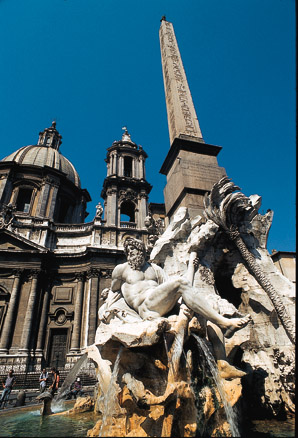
(82, 404)
(152, 404)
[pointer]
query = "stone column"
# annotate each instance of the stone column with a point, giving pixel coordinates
(111, 210)
(142, 204)
(10, 316)
(27, 327)
(77, 323)
(137, 168)
(43, 319)
(120, 166)
(112, 164)
(116, 164)
(141, 168)
(93, 274)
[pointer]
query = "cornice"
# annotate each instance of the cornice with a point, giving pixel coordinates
(189, 146)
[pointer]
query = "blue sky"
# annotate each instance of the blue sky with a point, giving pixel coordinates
(94, 66)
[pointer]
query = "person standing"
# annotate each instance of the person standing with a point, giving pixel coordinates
(43, 380)
(8, 385)
(55, 381)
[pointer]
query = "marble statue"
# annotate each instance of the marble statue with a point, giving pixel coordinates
(99, 211)
(146, 289)
(209, 280)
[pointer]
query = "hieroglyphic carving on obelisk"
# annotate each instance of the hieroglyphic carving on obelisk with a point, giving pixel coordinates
(182, 117)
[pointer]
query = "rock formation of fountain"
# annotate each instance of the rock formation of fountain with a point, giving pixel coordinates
(153, 379)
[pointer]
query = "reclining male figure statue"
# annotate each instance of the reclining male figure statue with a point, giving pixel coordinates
(145, 289)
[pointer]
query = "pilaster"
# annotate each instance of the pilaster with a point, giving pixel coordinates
(94, 275)
(77, 323)
(112, 207)
(44, 318)
(27, 328)
(10, 316)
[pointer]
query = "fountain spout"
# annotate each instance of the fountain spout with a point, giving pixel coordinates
(46, 397)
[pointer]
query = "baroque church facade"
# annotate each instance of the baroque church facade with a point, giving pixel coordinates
(54, 266)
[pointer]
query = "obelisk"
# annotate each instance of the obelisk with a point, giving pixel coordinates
(191, 165)
(182, 117)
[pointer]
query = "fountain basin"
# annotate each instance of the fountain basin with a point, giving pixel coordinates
(27, 422)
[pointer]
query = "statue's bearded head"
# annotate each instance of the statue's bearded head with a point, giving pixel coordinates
(135, 252)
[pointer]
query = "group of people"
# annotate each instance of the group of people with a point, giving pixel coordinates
(76, 387)
(43, 379)
(53, 377)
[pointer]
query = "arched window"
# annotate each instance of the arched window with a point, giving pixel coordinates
(127, 211)
(24, 199)
(128, 166)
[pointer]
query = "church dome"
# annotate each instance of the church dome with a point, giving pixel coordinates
(45, 156)
(46, 153)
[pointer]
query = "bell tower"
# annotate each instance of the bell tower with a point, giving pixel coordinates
(191, 165)
(125, 189)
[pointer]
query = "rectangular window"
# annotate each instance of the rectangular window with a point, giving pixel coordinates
(24, 200)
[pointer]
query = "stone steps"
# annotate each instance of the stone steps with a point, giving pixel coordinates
(31, 380)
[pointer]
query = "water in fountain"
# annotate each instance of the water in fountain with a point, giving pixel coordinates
(110, 398)
(71, 377)
(166, 345)
(175, 352)
(230, 413)
(27, 422)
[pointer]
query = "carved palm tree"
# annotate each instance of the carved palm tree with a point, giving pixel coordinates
(229, 210)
